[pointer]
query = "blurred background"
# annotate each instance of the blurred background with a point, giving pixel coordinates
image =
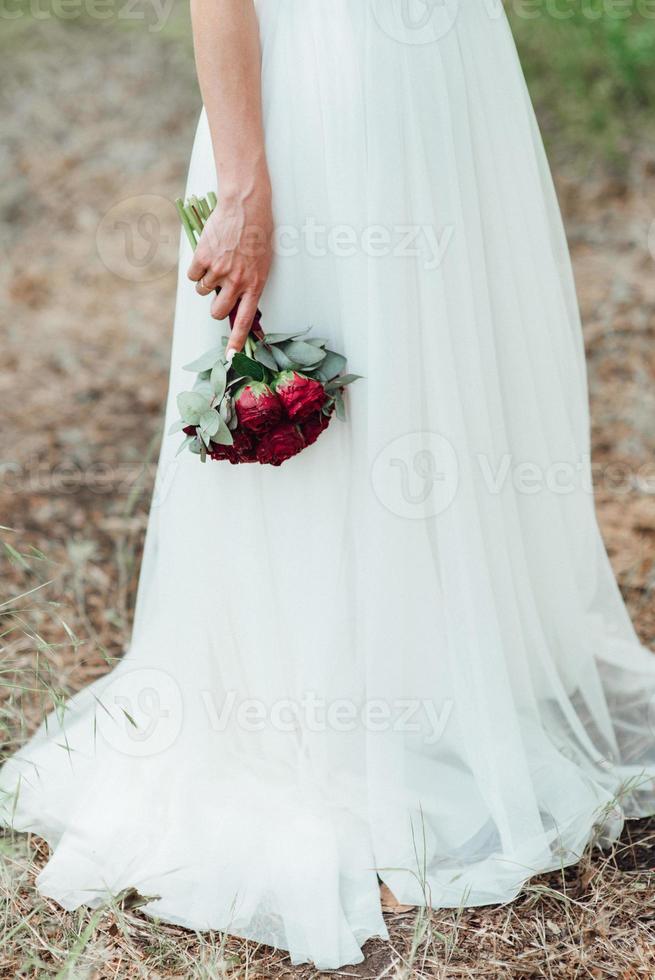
(99, 103)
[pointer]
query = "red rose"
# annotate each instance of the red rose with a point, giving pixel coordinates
(222, 452)
(242, 449)
(190, 430)
(246, 447)
(258, 408)
(300, 395)
(313, 426)
(281, 443)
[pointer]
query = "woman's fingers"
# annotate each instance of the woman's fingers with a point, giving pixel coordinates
(242, 324)
(198, 268)
(225, 301)
(212, 278)
(202, 288)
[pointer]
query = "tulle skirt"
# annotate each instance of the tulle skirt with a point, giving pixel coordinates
(403, 654)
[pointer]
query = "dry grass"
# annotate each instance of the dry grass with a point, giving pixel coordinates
(85, 356)
(594, 920)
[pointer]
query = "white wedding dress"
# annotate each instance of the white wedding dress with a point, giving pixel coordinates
(403, 653)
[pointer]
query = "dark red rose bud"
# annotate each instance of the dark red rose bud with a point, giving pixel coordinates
(281, 443)
(190, 430)
(300, 395)
(258, 408)
(242, 449)
(313, 426)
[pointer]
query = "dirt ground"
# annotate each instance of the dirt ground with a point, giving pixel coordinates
(96, 135)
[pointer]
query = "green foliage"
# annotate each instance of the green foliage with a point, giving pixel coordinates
(588, 64)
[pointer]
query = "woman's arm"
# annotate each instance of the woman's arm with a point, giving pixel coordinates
(235, 249)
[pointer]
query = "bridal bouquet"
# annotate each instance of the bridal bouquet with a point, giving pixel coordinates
(272, 400)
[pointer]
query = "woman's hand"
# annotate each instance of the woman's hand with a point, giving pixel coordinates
(234, 253)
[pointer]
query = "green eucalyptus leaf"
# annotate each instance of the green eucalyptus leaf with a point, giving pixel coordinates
(176, 427)
(302, 353)
(226, 409)
(191, 405)
(223, 436)
(206, 361)
(187, 443)
(204, 388)
(339, 406)
(317, 341)
(310, 368)
(218, 379)
(332, 366)
(342, 381)
(281, 359)
(264, 356)
(195, 445)
(279, 338)
(210, 423)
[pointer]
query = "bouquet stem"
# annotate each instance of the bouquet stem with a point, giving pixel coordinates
(193, 216)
